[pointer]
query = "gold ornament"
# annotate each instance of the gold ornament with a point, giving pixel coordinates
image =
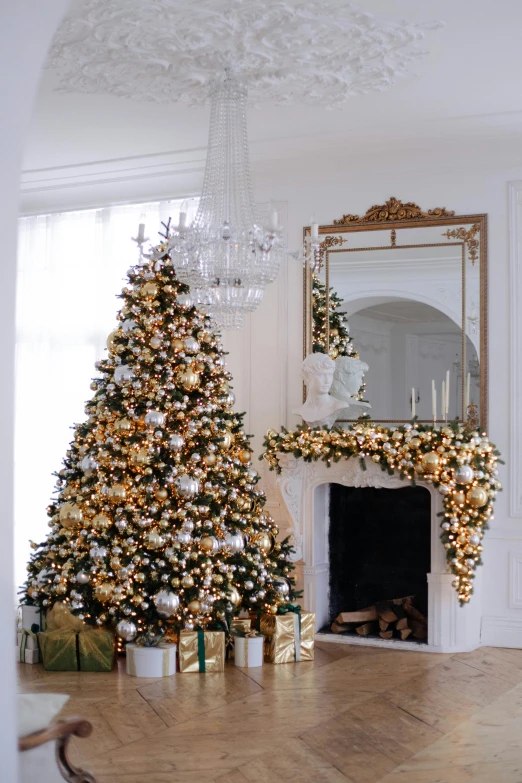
(154, 539)
(208, 543)
(272, 609)
(117, 493)
(447, 432)
(459, 497)
(245, 456)
(175, 582)
(161, 494)
(233, 595)
(149, 290)
(103, 591)
(194, 606)
(210, 459)
(189, 379)
(140, 576)
(140, 458)
(178, 344)
(415, 443)
(70, 515)
(101, 522)
(218, 579)
(187, 581)
(264, 542)
(477, 497)
(111, 340)
(227, 440)
(271, 434)
(430, 461)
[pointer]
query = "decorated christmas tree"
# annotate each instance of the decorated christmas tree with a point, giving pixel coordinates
(327, 315)
(157, 522)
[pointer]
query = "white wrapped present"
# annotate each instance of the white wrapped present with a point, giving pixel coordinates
(27, 650)
(159, 661)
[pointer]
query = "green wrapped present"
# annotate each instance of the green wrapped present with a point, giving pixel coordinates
(68, 650)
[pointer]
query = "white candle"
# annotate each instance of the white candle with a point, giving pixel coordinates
(141, 228)
(447, 392)
(413, 403)
(433, 401)
(443, 401)
(272, 218)
(466, 397)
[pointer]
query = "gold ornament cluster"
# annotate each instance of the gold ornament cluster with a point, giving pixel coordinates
(462, 463)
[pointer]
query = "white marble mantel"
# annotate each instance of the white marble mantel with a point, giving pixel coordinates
(304, 489)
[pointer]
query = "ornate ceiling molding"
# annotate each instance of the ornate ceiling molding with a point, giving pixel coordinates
(320, 52)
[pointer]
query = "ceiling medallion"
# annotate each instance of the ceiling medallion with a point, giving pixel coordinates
(319, 52)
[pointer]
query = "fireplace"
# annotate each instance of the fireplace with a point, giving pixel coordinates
(308, 489)
(379, 543)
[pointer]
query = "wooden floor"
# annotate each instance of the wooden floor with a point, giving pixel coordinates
(363, 715)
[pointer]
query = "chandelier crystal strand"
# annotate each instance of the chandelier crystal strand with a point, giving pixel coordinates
(226, 256)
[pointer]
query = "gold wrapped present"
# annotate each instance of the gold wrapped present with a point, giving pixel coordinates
(288, 637)
(201, 651)
(242, 623)
(66, 650)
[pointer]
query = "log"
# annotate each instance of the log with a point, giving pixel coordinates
(383, 625)
(414, 613)
(360, 616)
(386, 611)
(404, 633)
(366, 629)
(386, 634)
(402, 624)
(419, 630)
(338, 628)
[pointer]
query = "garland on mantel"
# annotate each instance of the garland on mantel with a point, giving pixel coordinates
(459, 461)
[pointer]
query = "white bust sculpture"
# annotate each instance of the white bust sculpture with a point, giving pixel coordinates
(320, 409)
(347, 381)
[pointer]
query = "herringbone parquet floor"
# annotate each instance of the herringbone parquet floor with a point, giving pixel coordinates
(355, 715)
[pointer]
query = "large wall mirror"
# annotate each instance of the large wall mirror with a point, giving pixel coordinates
(412, 286)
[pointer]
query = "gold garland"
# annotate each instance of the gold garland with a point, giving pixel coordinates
(460, 461)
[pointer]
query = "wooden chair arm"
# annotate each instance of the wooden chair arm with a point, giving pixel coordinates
(61, 732)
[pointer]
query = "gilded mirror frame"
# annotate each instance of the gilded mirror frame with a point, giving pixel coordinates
(471, 234)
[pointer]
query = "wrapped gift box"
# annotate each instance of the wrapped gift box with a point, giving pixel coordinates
(27, 650)
(289, 637)
(67, 650)
(248, 651)
(159, 661)
(201, 651)
(32, 616)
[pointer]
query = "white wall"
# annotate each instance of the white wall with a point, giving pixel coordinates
(265, 358)
(25, 33)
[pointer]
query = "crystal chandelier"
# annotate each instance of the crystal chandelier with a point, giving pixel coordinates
(226, 256)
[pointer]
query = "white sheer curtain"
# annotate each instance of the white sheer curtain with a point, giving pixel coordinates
(71, 266)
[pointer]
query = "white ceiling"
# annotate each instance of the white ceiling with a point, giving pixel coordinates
(466, 90)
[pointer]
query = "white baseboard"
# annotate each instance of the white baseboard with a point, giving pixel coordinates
(501, 631)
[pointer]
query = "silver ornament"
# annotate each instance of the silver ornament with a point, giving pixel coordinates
(191, 345)
(230, 399)
(474, 540)
(82, 578)
(126, 630)
(195, 457)
(184, 537)
(123, 374)
(249, 584)
(128, 325)
(166, 602)
(187, 486)
(234, 542)
(185, 300)
(98, 553)
(445, 525)
(88, 464)
(282, 586)
(155, 419)
(464, 474)
(176, 442)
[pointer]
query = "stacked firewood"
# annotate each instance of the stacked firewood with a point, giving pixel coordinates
(396, 618)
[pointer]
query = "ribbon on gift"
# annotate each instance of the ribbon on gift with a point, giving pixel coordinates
(201, 651)
(26, 634)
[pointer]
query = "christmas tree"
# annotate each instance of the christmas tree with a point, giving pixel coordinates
(340, 342)
(157, 522)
